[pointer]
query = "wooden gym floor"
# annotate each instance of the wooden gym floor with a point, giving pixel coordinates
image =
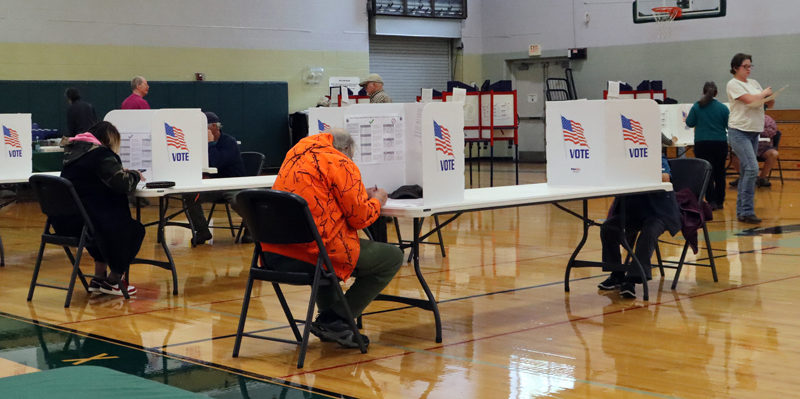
(509, 330)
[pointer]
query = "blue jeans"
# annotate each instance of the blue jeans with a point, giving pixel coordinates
(745, 145)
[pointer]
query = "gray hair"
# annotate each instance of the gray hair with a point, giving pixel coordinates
(136, 81)
(343, 142)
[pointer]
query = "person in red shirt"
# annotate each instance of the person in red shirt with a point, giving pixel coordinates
(139, 88)
(320, 169)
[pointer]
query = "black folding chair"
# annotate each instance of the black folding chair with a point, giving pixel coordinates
(253, 163)
(58, 199)
(277, 217)
(694, 174)
(776, 141)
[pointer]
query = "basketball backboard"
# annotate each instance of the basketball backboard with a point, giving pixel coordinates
(643, 9)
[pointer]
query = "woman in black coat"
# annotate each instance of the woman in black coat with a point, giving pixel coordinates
(92, 165)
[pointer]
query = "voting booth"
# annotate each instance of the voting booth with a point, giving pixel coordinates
(603, 143)
(16, 159)
(673, 123)
(402, 144)
(164, 144)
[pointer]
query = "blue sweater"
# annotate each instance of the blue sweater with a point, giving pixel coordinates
(710, 123)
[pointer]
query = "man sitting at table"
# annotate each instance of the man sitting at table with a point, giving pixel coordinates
(223, 154)
(320, 169)
(647, 214)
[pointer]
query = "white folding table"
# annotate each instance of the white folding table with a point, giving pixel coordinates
(205, 185)
(481, 199)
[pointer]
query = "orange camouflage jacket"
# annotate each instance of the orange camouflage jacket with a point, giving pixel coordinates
(331, 184)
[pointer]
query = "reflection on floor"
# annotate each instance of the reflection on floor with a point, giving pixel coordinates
(509, 329)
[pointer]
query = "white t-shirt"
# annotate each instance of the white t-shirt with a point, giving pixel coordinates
(748, 119)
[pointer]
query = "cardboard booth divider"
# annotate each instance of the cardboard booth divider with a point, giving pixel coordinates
(168, 144)
(402, 144)
(603, 143)
(16, 157)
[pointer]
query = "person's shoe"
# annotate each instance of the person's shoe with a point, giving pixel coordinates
(201, 237)
(337, 331)
(752, 219)
(763, 182)
(628, 290)
(113, 289)
(246, 239)
(611, 283)
(95, 284)
(734, 183)
(716, 206)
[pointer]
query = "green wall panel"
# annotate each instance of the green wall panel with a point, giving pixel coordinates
(256, 113)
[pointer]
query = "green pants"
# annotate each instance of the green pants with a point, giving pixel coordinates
(377, 264)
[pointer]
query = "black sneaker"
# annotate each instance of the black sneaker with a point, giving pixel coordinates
(628, 290)
(751, 219)
(337, 331)
(611, 283)
(201, 237)
(763, 182)
(95, 284)
(734, 183)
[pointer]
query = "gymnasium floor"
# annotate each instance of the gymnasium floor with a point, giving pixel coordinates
(509, 328)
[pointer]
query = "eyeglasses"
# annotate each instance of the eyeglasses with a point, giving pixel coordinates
(747, 66)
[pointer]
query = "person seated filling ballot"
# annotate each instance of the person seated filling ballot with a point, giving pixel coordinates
(223, 154)
(647, 214)
(320, 169)
(92, 165)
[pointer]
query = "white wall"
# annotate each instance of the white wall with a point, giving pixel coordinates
(511, 25)
(339, 25)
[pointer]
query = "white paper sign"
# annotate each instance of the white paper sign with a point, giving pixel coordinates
(16, 158)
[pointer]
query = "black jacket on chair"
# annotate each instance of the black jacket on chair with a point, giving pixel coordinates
(103, 187)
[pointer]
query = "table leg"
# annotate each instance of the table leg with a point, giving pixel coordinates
(430, 302)
(434, 307)
(627, 246)
(170, 263)
(571, 263)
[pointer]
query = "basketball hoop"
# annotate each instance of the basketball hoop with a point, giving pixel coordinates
(664, 16)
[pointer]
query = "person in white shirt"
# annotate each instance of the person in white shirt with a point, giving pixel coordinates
(745, 123)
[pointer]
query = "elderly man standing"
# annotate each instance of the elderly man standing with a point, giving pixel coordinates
(320, 169)
(373, 84)
(223, 154)
(139, 88)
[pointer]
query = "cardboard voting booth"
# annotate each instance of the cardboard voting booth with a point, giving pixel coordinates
(673, 123)
(166, 144)
(603, 143)
(402, 144)
(16, 159)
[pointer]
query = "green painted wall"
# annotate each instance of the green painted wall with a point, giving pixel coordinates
(36, 61)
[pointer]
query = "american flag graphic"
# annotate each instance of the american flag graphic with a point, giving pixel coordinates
(632, 131)
(442, 139)
(10, 137)
(323, 127)
(175, 137)
(573, 132)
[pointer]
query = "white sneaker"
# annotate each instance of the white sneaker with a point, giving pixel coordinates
(113, 289)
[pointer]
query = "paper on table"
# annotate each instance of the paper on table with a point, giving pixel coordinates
(459, 95)
(613, 89)
(404, 203)
(765, 100)
(345, 97)
(427, 95)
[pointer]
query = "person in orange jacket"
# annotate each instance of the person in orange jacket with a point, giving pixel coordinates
(320, 169)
